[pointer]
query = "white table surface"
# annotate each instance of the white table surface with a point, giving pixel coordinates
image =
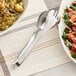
(68, 69)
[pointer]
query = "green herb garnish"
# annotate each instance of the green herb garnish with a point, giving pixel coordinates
(73, 55)
(66, 30)
(65, 11)
(65, 37)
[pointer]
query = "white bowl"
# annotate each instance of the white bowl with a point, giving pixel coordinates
(61, 26)
(20, 17)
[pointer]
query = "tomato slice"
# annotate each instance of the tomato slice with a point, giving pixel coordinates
(70, 15)
(74, 28)
(74, 33)
(74, 47)
(74, 2)
(74, 40)
(73, 20)
(69, 10)
(74, 24)
(72, 51)
(70, 36)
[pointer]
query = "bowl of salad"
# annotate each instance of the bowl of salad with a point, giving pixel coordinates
(11, 12)
(67, 27)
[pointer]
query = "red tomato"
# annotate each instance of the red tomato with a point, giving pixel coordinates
(74, 40)
(69, 10)
(75, 9)
(74, 33)
(70, 15)
(70, 36)
(74, 24)
(72, 51)
(74, 47)
(73, 21)
(74, 28)
(73, 18)
(74, 2)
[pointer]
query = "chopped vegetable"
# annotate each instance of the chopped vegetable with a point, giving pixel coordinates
(66, 30)
(74, 47)
(74, 3)
(73, 55)
(69, 9)
(65, 11)
(72, 7)
(74, 28)
(72, 51)
(65, 36)
(68, 44)
(67, 22)
(19, 7)
(66, 17)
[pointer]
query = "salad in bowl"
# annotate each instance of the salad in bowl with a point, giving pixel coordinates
(11, 12)
(69, 34)
(67, 27)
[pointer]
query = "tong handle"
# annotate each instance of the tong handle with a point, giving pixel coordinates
(29, 46)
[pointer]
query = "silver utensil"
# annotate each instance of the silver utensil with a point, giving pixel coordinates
(43, 25)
